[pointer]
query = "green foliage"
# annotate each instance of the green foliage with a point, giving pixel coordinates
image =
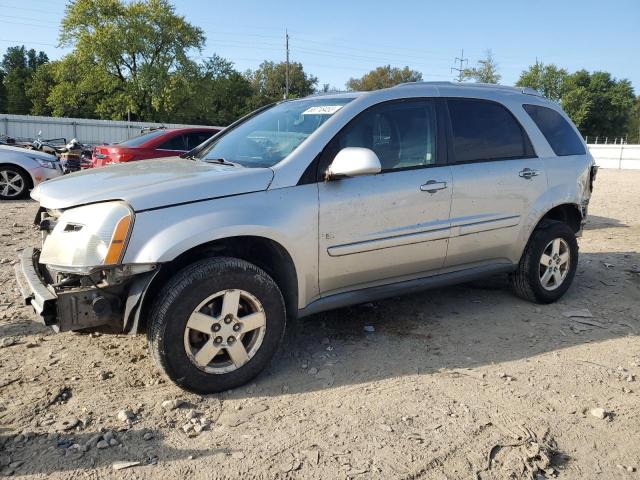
(383, 77)
(18, 65)
(549, 80)
(39, 89)
(3, 93)
(485, 72)
(215, 94)
(269, 80)
(633, 129)
(137, 52)
(598, 104)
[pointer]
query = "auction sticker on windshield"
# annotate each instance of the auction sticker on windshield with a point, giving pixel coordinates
(322, 110)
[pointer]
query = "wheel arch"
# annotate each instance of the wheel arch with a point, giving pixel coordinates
(569, 213)
(263, 252)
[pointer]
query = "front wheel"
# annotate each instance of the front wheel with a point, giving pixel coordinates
(548, 264)
(14, 184)
(217, 324)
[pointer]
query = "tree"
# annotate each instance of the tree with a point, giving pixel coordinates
(269, 82)
(485, 72)
(634, 123)
(39, 89)
(19, 65)
(136, 51)
(3, 93)
(547, 79)
(215, 94)
(383, 77)
(598, 104)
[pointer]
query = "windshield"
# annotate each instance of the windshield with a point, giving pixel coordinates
(145, 137)
(267, 138)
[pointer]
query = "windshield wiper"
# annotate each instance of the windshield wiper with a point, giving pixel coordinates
(220, 161)
(188, 157)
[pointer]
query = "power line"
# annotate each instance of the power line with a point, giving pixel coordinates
(462, 60)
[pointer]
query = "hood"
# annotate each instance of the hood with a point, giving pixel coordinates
(28, 152)
(151, 184)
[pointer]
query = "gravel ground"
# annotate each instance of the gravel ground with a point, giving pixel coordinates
(463, 382)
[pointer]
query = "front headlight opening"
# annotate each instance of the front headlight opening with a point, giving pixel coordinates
(89, 236)
(45, 163)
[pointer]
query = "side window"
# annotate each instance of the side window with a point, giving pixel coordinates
(484, 130)
(196, 138)
(175, 143)
(556, 130)
(403, 134)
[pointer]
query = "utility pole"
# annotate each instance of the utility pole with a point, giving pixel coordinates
(286, 72)
(461, 60)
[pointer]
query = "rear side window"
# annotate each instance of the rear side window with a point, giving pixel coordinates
(484, 130)
(145, 137)
(175, 143)
(196, 138)
(560, 135)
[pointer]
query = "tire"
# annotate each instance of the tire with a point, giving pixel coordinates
(529, 281)
(10, 178)
(176, 332)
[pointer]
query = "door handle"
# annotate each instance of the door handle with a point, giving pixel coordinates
(528, 173)
(432, 186)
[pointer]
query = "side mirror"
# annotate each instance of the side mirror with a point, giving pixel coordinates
(353, 162)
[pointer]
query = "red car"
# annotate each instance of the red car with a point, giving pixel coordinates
(163, 142)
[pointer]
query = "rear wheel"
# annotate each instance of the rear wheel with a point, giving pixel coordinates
(14, 183)
(217, 324)
(548, 264)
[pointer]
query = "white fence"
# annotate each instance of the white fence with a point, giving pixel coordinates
(623, 156)
(85, 130)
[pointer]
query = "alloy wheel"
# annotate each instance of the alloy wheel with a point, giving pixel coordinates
(555, 263)
(11, 183)
(225, 331)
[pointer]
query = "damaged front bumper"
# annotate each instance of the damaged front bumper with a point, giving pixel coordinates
(75, 308)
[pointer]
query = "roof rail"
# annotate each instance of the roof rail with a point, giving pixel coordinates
(493, 86)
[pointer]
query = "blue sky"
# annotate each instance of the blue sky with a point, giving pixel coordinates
(338, 40)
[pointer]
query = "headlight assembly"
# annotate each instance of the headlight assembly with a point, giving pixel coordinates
(45, 163)
(88, 237)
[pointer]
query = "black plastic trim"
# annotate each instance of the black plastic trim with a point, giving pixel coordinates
(370, 294)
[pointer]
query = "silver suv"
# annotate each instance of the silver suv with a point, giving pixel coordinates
(309, 205)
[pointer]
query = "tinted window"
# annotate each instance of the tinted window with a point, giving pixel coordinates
(175, 143)
(402, 134)
(485, 130)
(560, 135)
(139, 140)
(196, 138)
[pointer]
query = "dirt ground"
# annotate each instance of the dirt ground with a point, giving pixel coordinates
(462, 382)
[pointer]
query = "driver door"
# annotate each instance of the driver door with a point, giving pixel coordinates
(391, 226)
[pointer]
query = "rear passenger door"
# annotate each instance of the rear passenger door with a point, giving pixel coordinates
(497, 178)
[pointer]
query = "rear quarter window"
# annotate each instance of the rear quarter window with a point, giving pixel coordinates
(561, 136)
(485, 130)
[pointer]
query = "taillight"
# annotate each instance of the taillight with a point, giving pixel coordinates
(123, 157)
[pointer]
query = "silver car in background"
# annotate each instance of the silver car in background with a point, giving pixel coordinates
(309, 205)
(22, 169)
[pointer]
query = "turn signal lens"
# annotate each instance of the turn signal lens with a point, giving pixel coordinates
(118, 241)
